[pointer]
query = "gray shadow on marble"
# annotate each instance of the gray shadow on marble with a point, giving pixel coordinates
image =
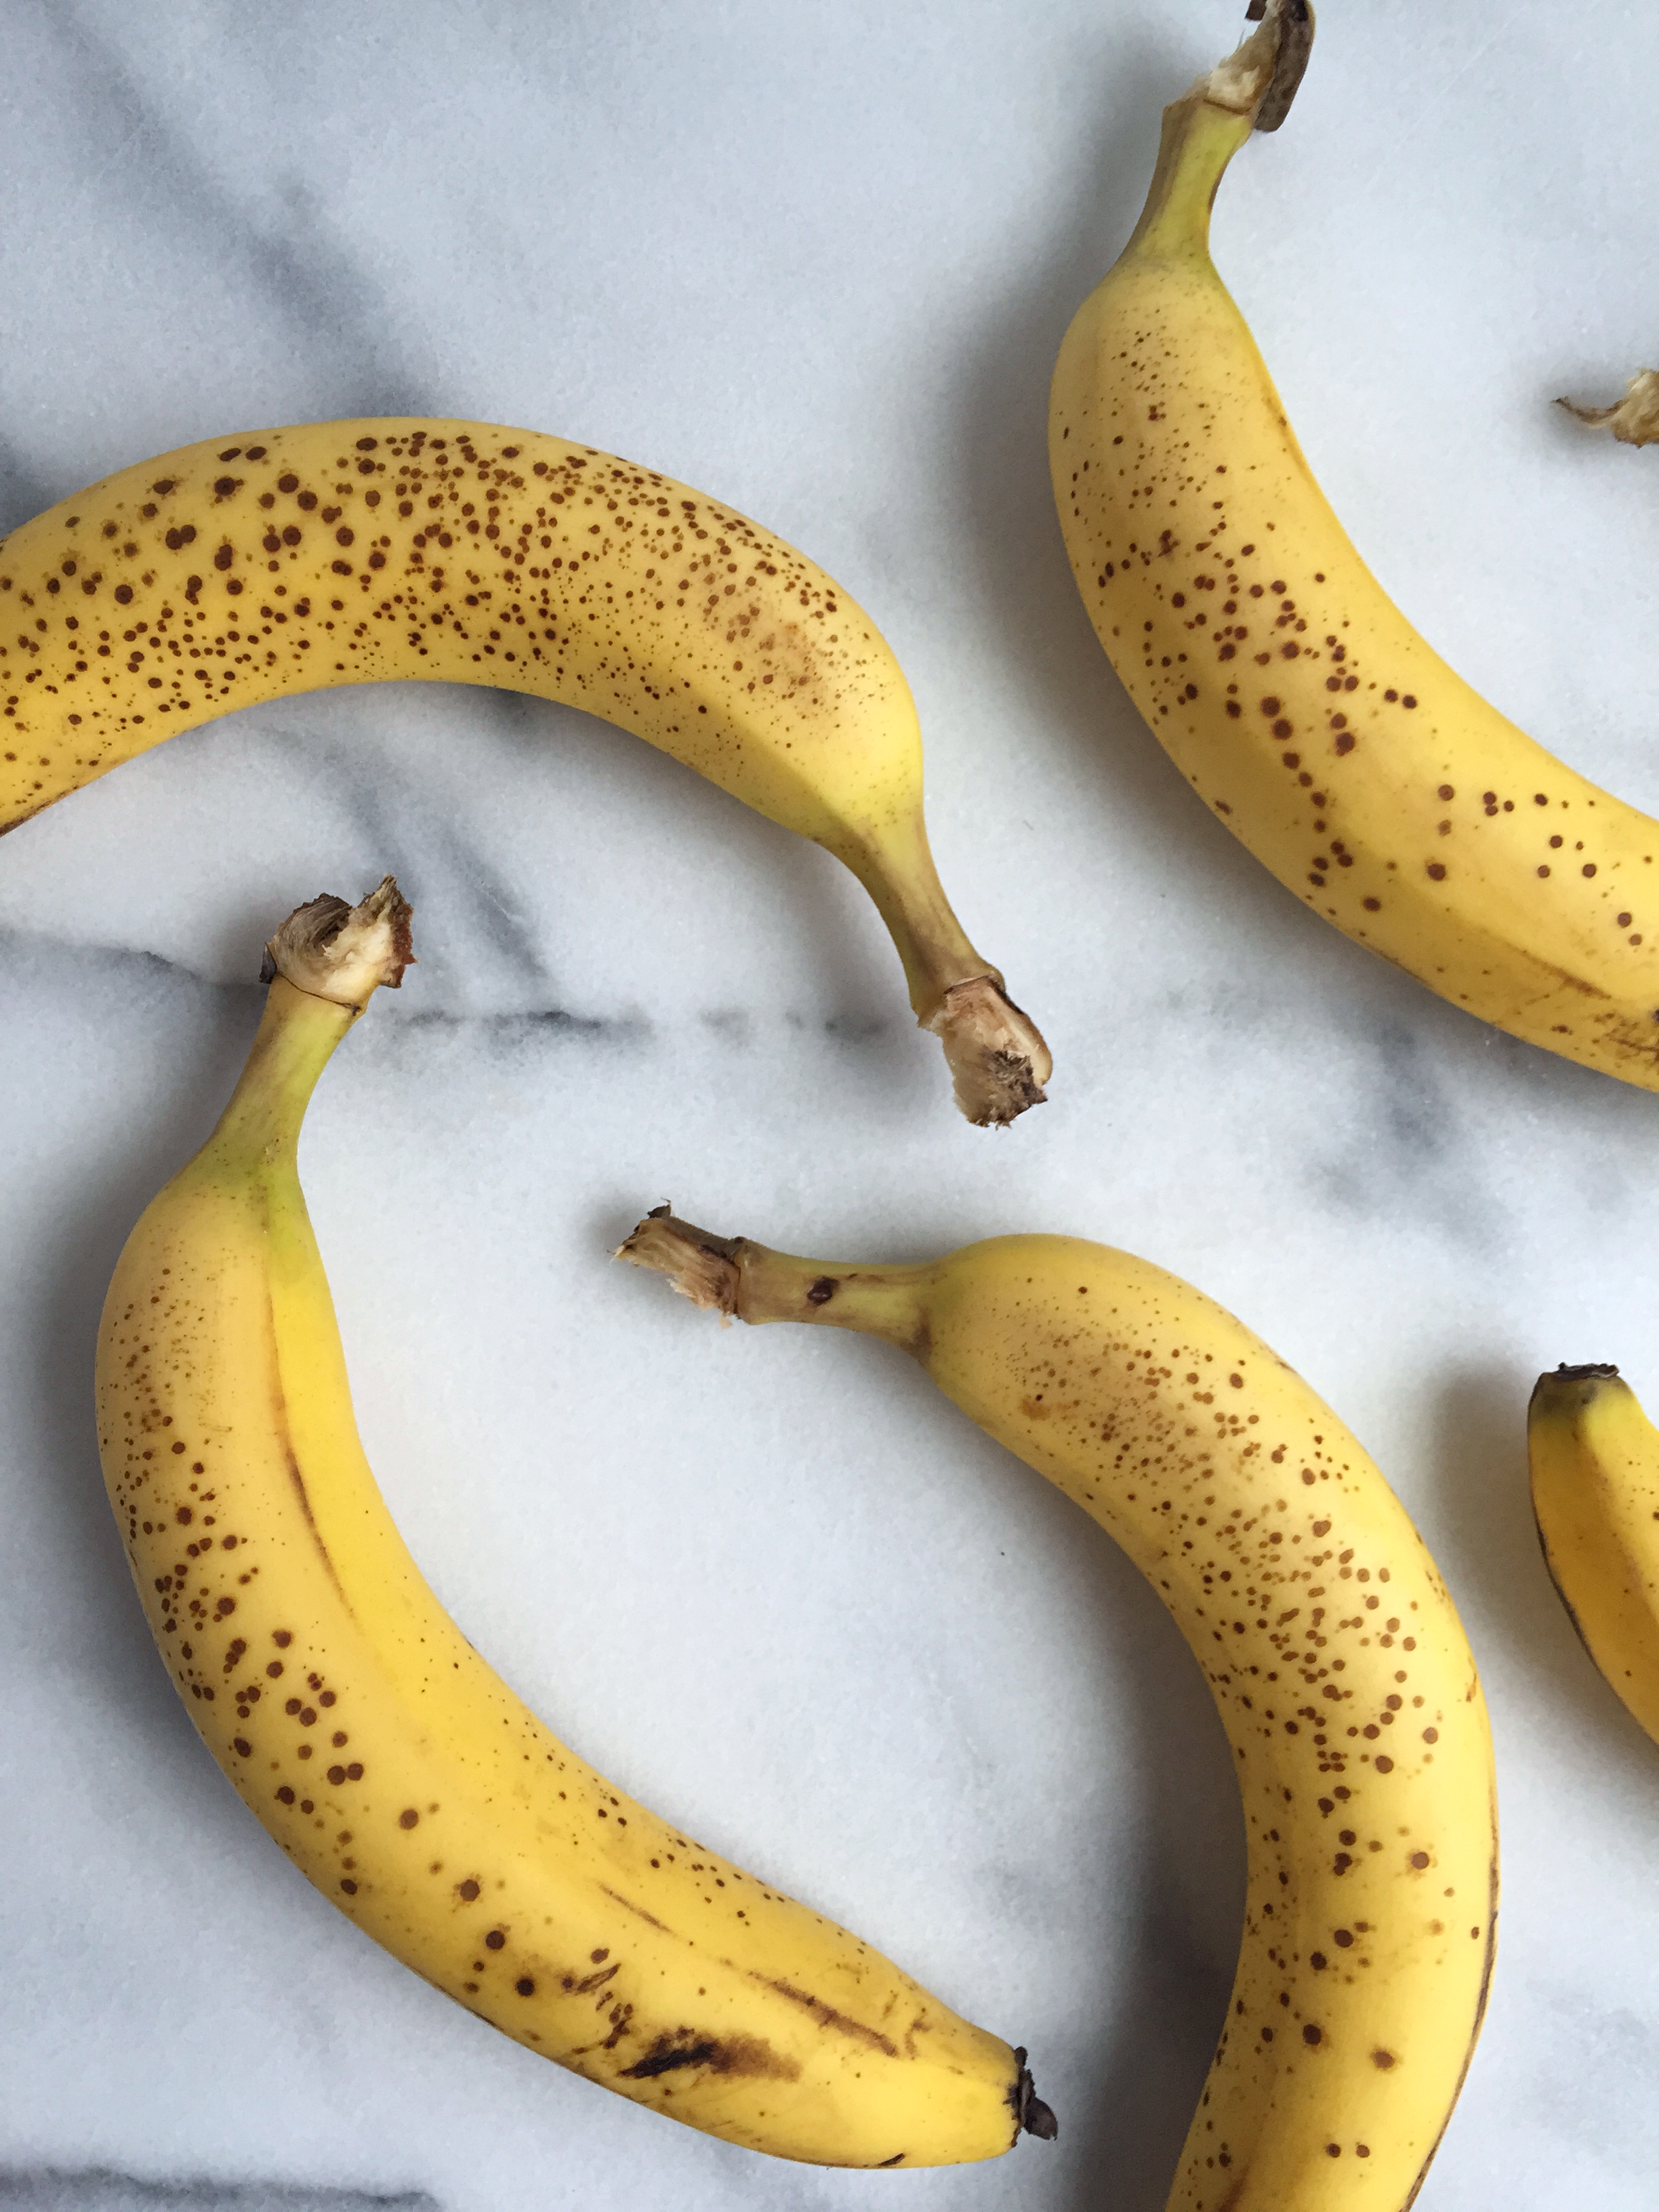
(24, 491)
(103, 2189)
(1493, 1553)
(1027, 597)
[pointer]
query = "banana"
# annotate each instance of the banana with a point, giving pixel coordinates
(1328, 1641)
(1594, 1461)
(398, 1773)
(251, 568)
(1293, 696)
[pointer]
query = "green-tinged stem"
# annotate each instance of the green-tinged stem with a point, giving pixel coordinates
(890, 1303)
(896, 868)
(997, 1060)
(1251, 90)
(296, 1041)
(752, 1282)
(326, 961)
(1198, 140)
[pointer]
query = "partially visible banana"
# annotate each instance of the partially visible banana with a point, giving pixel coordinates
(273, 562)
(1595, 1460)
(1328, 1641)
(401, 1775)
(1294, 696)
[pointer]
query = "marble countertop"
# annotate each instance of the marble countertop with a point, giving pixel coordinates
(816, 260)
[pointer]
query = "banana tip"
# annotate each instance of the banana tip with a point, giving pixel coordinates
(1033, 2117)
(1564, 1388)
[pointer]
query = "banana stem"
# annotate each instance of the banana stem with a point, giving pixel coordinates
(1633, 420)
(1251, 90)
(998, 1060)
(1200, 139)
(323, 965)
(750, 1282)
(296, 1041)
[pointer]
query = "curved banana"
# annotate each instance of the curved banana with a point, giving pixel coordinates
(1293, 696)
(401, 1776)
(246, 569)
(1595, 1460)
(1336, 1660)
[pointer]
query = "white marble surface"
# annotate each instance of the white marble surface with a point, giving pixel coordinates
(815, 259)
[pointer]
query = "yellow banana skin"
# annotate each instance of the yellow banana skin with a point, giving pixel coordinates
(249, 568)
(1594, 1456)
(1334, 1656)
(400, 1774)
(1293, 696)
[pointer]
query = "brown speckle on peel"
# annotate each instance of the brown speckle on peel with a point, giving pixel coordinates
(736, 2056)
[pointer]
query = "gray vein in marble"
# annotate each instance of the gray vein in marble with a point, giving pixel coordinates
(536, 1025)
(104, 2189)
(1407, 1140)
(330, 300)
(378, 808)
(735, 1026)
(22, 952)
(24, 957)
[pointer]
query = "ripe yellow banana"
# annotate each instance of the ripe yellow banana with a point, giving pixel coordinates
(1595, 1460)
(1327, 1636)
(1294, 696)
(248, 567)
(401, 1775)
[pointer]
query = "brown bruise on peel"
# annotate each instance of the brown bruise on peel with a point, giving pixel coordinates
(729, 2055)
(1305, 711)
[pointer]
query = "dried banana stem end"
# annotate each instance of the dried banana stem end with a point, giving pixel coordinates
(999, 1063)
(699, 1265)
(1633, 420)
(1260, 77)
(344, 953)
